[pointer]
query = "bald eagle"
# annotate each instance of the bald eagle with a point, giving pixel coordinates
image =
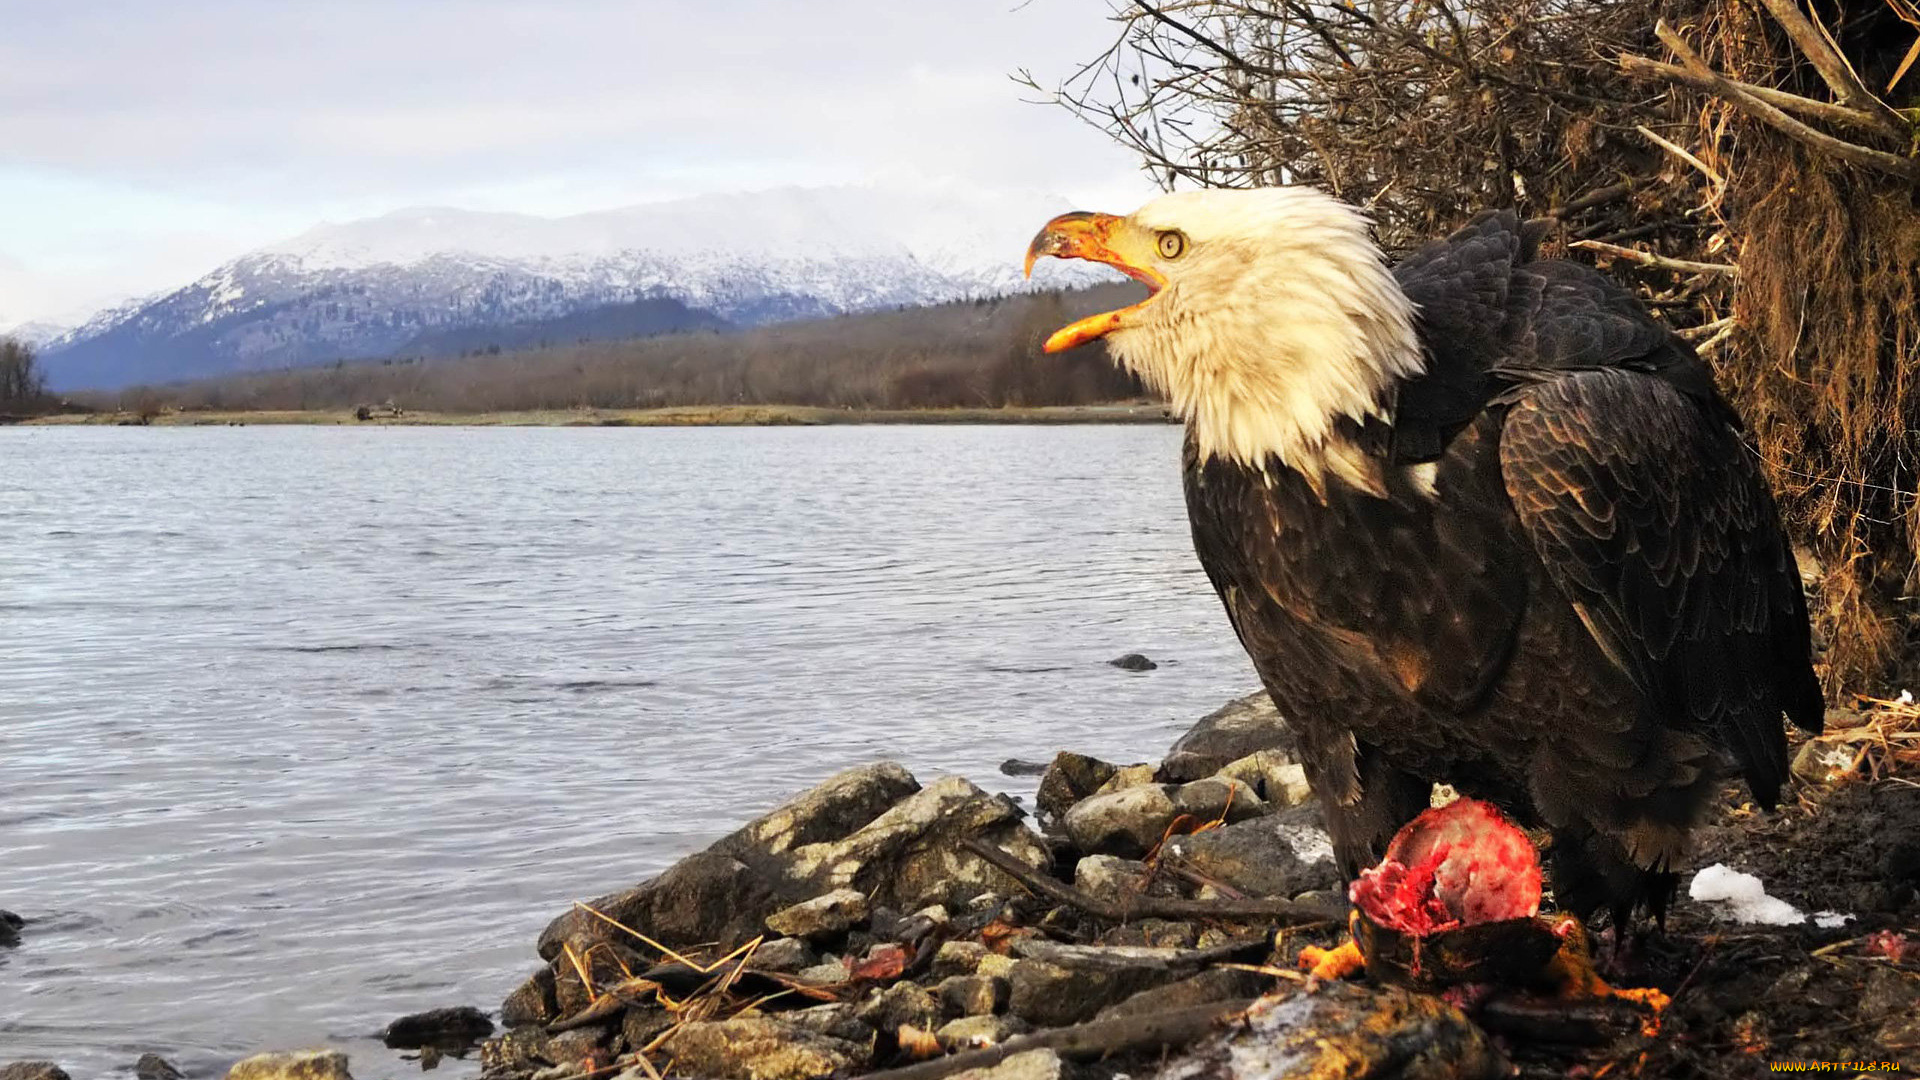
(1477, 519)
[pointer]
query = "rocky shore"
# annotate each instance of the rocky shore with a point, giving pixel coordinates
(1150, 917)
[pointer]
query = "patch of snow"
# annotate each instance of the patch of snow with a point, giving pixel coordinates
(1744, 899)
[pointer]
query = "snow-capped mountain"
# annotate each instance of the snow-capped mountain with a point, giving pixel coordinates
(440, 281)
(38, 333)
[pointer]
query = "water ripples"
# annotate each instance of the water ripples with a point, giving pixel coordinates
(304, 728)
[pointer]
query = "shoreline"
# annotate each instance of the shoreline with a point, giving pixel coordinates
(928, 932)
(676, 416)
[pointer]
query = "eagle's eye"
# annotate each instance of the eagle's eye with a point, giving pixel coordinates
(1173, 244)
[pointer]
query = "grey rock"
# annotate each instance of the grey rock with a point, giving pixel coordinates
(839, 807)
(1215, 797)
(1056, 985)
(976, 1032)
(784, 955)
(830, 971)
(760, 1048)
(1127, 776)
(32, 1070)
(453, 1028)
(972, 995)
(957, 958)
(822, 916)
(1272, 776)
(872, 830)
(996, 965)
(1344, 1029)
(639, 1027)
(292, 1065)
(1133, 661)
(572, 1045)
(901, 1003)
(1111, 877)
(1129, 821)
(1216, 984)
(1069, 779)
(1026, 1065)
(707, 896)
(533, 1003)
(839, 1019)
(520, 1049)
(155, 1067)
(1255, 857)
(833, 809)
(1889, 993)
(1233, 731)
(909, 857)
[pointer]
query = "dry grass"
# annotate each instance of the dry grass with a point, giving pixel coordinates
(1885, 739)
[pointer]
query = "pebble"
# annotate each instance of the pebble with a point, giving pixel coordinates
(972, 995)
(975, 1032)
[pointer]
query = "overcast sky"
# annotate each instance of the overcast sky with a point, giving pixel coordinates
(143, 142)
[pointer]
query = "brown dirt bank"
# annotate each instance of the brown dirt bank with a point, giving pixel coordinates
(681, 416)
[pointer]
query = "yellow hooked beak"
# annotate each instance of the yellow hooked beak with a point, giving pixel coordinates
(1102, 238)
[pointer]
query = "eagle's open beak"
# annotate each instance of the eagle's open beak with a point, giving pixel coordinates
(1101, 238)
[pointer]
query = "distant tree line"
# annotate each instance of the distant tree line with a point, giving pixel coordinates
(23, 387)
(983, 353)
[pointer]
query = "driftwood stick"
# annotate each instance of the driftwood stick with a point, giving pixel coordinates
(1833, 68)
(1906, 168)
(1144, 907)
(1085, 1042)
(1586, 1022)
(1647, 258)
(1838, 115)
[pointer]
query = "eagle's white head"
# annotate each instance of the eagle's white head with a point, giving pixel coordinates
(1271, 314)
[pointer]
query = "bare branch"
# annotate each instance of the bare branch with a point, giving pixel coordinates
(1833, 68)
(1643, 68)
(1906, 168)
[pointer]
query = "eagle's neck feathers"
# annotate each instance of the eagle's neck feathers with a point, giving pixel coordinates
(1266, 347)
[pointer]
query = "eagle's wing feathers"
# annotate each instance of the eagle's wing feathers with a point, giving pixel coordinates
(1652, 518)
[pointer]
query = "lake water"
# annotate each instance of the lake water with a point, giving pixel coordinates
(305, 728)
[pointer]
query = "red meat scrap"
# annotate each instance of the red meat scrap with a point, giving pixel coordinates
(1457, 865)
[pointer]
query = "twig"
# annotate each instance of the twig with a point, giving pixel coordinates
(1289, 911)
(1647, 258)
(1906, 168)
(1598, 197)
(1704, 330)
(1682, 153)
(1088, 1041)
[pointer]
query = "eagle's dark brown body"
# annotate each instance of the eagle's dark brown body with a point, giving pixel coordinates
(1589, 609)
